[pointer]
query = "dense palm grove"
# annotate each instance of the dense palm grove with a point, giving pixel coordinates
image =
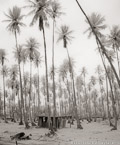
(60, 91)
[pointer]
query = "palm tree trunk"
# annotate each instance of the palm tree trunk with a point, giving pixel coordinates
(112, 94)
(30, 101)
(85, 97)
(89, 101)
(38, 91)
(53, 69)
(4, 98)
(47, 89)
(108, 108)
(20, 78)
(118, 62)
(74, 93)
(101, 46)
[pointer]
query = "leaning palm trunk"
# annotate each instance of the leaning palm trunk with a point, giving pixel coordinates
(101, 46)
(47, 89)
(74, 94)
(53, 69)
(4, 98)
(112, 94)
(21, 88)
(118, 63)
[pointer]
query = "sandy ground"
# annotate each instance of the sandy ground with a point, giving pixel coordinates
(95, 133)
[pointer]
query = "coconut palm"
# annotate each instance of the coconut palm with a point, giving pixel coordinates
(65, 35)
(111, 79)
(89, 87)
(94, 97)
(84, 73)
(99, 42)
(41, 10)
(4, 72)
(2, 61)
(31, 50)
(14, 19)
(114, 41)
(55, 13)
(63, 75)
(13, 74)
(18, 53)
(37, 62)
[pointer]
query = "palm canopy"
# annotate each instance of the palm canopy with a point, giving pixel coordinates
(14, 19)
(114, 36)
(97, 23)
(18, 53)
(37, 60)
(84, 71)
(13, 72)
(93, 80)
(55, 9)
(65, 35)
(4, 71)
(2, 56)
(99, 69)
(101, 79)
(31, 48)
(40, 10)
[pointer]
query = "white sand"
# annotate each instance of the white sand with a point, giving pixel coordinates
(92, 134)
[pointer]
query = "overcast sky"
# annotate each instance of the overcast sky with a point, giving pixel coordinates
(82, 49)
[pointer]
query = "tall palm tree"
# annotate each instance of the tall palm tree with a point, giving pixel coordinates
(13, 74)
(89, 86)
(65, 36)
(114, 41)
(41, 10)
(2, 61)
(31, 48)
(84, 73)
(100, 80)
(4, 72)
(14, 19)
(55, 12)
(37, 62)
(98, 40)
(18, 54)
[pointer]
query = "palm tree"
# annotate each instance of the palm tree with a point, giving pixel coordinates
(40, 10)
(84, 72)
(89, 86)
(13, 74)
(99, 42)
(94, 96)
(56, 12)
(65, 35)
(114, 41)
(31, 48)
(2, 61)
(63, 75)
(18, 54)
(26, 84)
(37, 62)
(14, 18)
(100, 80)
(110, 78)
(4, 72)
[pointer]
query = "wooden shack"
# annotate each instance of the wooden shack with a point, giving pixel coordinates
(60, 121)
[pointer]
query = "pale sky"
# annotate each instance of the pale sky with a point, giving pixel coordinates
(82, 49)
